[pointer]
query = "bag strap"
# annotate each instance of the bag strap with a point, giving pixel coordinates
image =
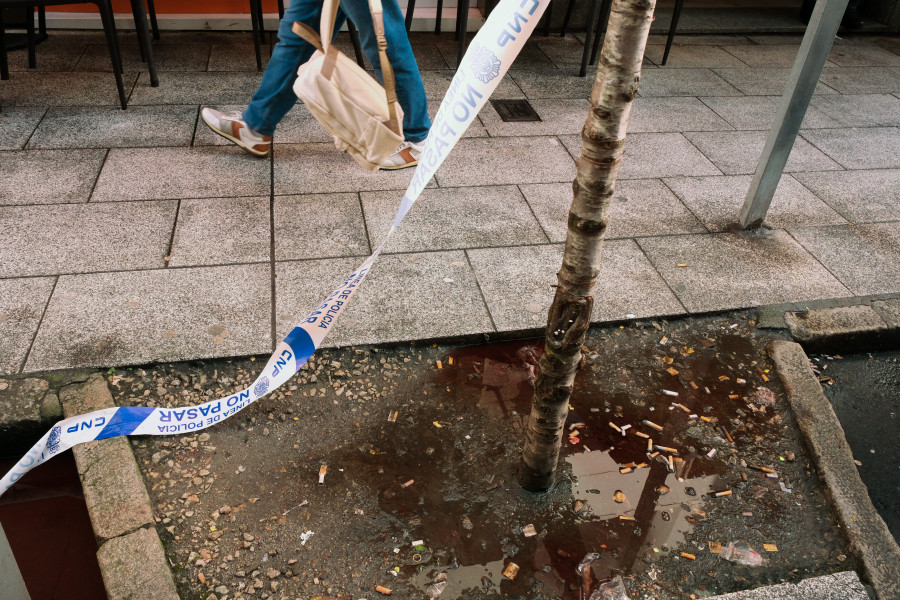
(387, 72)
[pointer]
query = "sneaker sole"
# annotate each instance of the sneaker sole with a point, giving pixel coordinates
(395, 168)
(236, 141)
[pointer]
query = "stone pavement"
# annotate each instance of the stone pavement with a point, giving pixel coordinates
(138, 236)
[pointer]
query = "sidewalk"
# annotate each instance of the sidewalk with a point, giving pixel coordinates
(139, 236)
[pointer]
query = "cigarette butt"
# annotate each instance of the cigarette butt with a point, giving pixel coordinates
(770, 547)
(668, 360)
(682, 265)
(707, 419)
(665, 449)
(640, 465)
(740, 380)
(649, 445)
(693, 385)
(626, 518)
(678, 459)
(663, 340)
(733, 396)
(721, 494)
(614, 426)
(449, 360)
(724, 378)
(642, 434)
(653, 425)
(711, 453)
(706, 389)
(437, 424)
(672, 371)
(684, 408)
(383, 590)
(669, 393)
(688, 556)
(728, 435)
(625, 470)
(653, 455)
(511, 570)
(439, 365)
(763, 469)
(408, 483)
(624, 427)
(671, 465)
(392, 418)
(322, 470)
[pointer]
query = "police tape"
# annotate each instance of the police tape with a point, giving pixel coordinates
(486, 61)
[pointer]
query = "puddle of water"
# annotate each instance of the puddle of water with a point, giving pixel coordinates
(50, 532)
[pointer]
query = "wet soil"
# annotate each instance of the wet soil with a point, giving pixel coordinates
(863, 388)
(420, 448)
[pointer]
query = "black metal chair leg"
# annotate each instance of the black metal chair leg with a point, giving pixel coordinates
(462, 23)
(410, 9)
(4, 61)
(143, 34)
(154, 26)
(357, 48)
(602, 24)
(280, 9)
(109, 28)
(256, 24)
(548, 16)
(30, 36)
(676, 14)
(567, 18)
(42, 23)
(588, 37)
(440, 13)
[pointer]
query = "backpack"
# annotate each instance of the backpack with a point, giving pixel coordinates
(363, 117)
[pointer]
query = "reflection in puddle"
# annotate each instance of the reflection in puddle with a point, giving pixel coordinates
(486, 577)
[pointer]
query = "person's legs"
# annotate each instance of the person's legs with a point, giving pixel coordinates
(410, 90)
(275, 95)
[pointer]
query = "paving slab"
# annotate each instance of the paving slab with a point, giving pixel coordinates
(847, 55)
(406, 297)
(475, 129)
(64, 89)
(860, 196)
(738, 152)
(78, 238)
(551, 84)
(220, 231)
(479, 161)
(684, 82)
(660, 115)
(322, 168)
(159, 173)
(689, 56)
(889, 311)
(437, 82)
(763, 81)
(136, 317)
(861, 80)
(22, 303)
(530, 57)
(768, 55)
(859, 148)
(134, 566)
(17, 124)
(48, 176)
(859, 110)
(650, 155)
(628, 284)
(111, 127)
(717, 202)
(55, 53)
(559, 116)
(23, 405)
(208, 89)
(727, 271)
(235, 56)
(758, 112)
(564, 52)
(866, 258)
(321, 226)
(635, 209)
(840, 328)
(840, 586)
(186, 58)
(453, 218)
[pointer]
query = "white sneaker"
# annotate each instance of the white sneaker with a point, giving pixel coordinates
(234, 128)
(406, 155)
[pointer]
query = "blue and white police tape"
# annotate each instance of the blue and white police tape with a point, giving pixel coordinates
(485, 63)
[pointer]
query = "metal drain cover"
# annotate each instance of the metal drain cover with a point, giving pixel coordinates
(515, 110)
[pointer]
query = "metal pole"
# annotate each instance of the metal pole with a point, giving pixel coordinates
(13, 587)
(823, 26)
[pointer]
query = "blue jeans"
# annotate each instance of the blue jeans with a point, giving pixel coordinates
(275, 95)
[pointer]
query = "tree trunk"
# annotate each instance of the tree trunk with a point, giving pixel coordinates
(614, 90)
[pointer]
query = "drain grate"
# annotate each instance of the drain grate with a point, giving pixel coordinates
(515, 110)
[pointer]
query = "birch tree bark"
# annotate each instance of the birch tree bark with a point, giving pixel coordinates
(615, 88)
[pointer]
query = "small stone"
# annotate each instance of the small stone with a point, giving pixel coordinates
(225, 510)
(273, 573)
(203, 437)
(248, 537)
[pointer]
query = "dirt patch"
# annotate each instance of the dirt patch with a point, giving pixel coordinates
(421, 460)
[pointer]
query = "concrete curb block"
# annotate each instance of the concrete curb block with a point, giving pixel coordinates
(840, 586)
(846, 328)
(870, 540)
(131, 555)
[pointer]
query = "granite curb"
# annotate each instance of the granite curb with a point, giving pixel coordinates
(868, 535)
(839, 586)
(130, 554)
(847, 328)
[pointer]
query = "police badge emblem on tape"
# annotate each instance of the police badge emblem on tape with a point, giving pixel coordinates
(494, 48)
